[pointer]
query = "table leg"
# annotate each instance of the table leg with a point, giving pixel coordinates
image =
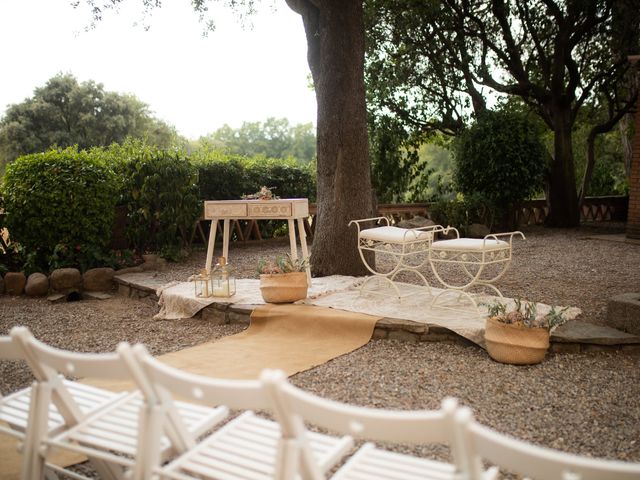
(292, 239)
(303, 244)
(225, 239)
(212, 242)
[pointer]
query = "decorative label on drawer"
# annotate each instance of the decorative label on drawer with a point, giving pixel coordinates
(268, 209)
(232, 210)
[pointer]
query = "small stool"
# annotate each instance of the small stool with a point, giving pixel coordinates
(402, 245)
(473, 255)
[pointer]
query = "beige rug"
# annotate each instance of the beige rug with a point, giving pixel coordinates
(293, 338)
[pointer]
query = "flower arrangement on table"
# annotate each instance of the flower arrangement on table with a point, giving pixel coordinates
(520, 336)
(264, 193)
(284, 279)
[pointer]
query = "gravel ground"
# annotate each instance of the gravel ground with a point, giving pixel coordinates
(584, 403)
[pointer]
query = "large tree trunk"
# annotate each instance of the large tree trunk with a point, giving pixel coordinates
(335, 38)
(562, 195)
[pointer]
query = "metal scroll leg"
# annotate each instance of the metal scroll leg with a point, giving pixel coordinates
(212, 243)
(303, 244)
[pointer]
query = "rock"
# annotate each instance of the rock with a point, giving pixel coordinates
(416, 222)
(37, 285)
(98, 279)
(126, 270)
(153, 262)
(57, 298)
(14, 283)
(66, 280)
(623, 313)
(95, 296)
(478, 230)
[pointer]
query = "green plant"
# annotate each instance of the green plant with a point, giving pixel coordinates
(160, 189)
(525, 314)
(463, 210)
(282, 264)
(502, 156)
(61, 197)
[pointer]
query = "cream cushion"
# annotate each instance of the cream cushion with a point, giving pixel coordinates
(396, 235)
(470, 244)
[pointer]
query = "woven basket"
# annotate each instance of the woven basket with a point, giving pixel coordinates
(283, 287)
(515, 344)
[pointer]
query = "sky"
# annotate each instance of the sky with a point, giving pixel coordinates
(196, 84)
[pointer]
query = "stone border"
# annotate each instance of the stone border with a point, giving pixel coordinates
(385, 329)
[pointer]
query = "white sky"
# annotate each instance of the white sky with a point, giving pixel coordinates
(196, 84)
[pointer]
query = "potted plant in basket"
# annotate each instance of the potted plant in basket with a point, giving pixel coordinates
(520, 336)
(284, 279)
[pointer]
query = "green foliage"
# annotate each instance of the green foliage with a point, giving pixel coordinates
(462, 211)
(59, 208)
(160, 189)
(229, 177)
(64, 113)
(501, 156)
(525, 314)
(274, 138)
(433, 176)
(282, 264)
(608, 177)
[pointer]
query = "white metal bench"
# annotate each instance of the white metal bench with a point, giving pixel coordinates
(406, 247)
(474, 256)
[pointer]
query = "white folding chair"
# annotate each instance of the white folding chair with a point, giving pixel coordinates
(27, 419)
(247, 447)
(295, 408)
(484, 444)
(108, 435)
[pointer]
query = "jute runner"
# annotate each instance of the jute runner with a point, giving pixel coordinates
(293, 338)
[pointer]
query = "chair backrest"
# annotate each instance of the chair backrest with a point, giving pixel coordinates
(49, 365)
(294, 407)
(236, 394)
(161, 384)
(47, 361)
(9, 349)
(482, 443)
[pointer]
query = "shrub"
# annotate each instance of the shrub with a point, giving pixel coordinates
(60, 202)
(462, 211)
(501, 156)
(160, 189)
(229, 177)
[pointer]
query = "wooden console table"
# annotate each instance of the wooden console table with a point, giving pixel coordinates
(288, 209)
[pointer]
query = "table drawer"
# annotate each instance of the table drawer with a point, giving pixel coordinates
(270, 209)
(222, 210)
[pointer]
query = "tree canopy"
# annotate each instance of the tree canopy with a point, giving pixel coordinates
(65, 112)
(274, 138)
(433, 64)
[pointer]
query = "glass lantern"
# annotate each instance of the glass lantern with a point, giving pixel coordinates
(202, 284)
(223, 281)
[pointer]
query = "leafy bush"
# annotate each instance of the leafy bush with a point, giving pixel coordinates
(462, 211)
(228, 177)
(160, 189)
(501, 156)
(59, 207)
